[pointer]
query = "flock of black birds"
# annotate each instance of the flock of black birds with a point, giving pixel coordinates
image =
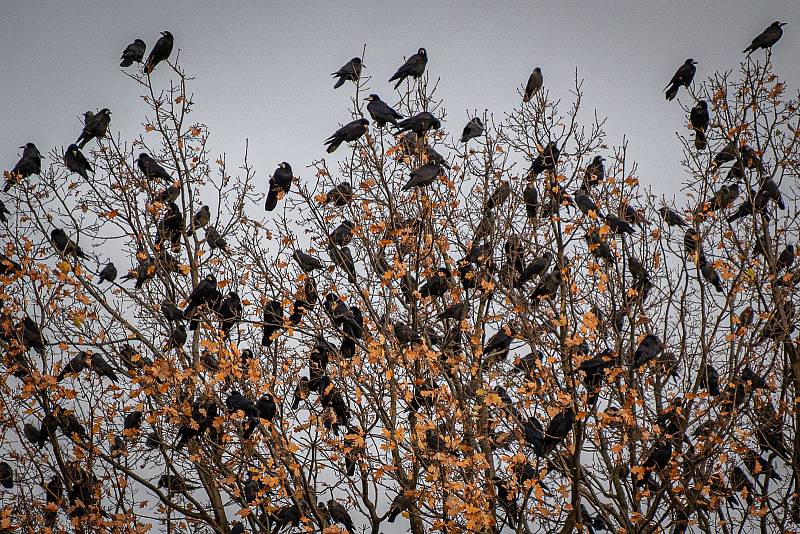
(206, 302)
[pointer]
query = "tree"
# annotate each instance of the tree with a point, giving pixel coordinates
(522, 343)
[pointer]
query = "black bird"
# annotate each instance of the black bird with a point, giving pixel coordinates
(200, 219)
(547, 286)
(160, 51)
(400, 504)
(438, 284)
(419, 123)
(238, 402)
(339, 514)
(6, 475)
(683, 77)
(672, 217)
(134, 52)
(547, 160)
(74, 366)
(698, 119)
(618, 225)
(133, 421)
(535, 81)
(171, 227)
(637, 269)
(214, 240)
(230, 312)
(301, 392)
(496, 349)
(456, 312)
(595, 172)
(657, 460)
(340, 195)
(423, 175)
(691, 242)
(64, 245)
(76, 162)
(3, 212)
(348, 133)
(342, 235)
(473, 129)
(272, 321)
(108, 274)
(558, 429)
(586, 204)
(381, 112)
(724, 197)
(758, 465)
(414, 67)
(174, 483)
(177, 337)
(96, 127)
(648, 349)
(711, 275)
(151, 168)
(102, 367)
(279, 185)
(205, 290)
(30, 163)
(32, 337)
(350, 71)
(307, 262)
(786, 258)
(531, 198)
(767, 38)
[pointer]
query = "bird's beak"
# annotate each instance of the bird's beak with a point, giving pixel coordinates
(23, 146)
(782, 24)
(366, 99)
(694, 62)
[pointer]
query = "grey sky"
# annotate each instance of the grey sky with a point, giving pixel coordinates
(263, 70)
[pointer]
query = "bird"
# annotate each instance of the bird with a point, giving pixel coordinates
(214, 240)
(73, 367)
(339, 514)
(619, 225)
(400, 504)
(132, 421)
(672, 217)
(586, 204)
(160, 51)
(30, 163)
(498, 346)
(423, 175)
(201, 294)
(348, 133)
(64, 245)
(230, 312)
(177, 337)
(657, 460)
(595, 172)
(724, 197)
(683, 77)
(134, 52)
(108, 274)
(340, 195)
(201, 218)
(531, 198)
(174, 483)
(170, 311)
(473, 129)
(767, 38)
(711, 275)
(350, 71)
(76, 162)
(699, 119)
(307, 262)
(151, 168)
(456, 312)
(558, 429)
(785, 258)
(3, 212)
(103, 369)
(419, 123)
(414, 67)
(649, 347)
(279, 185)
(547, 286)
(343, 234)
(535, 81)
(6, 475)
(301, 392)
(546, 160)
(272, 321)
(381, 112)
(95, 127)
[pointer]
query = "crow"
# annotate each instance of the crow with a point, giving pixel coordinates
(419, 123)
(230, 313)
(340, 195)
(381, 112)
(152, 169)
(205, 290)
(698, 119)
(672, 217)
(339, 514)
(546, 160)
(108, 274)
(134, 52)
(160, 51)
(96, 127)
(649, 347)
(348, 133)
(350, 71)
(30, 163)
(414, 67)
(595, 173)
(400, 504)
(767, 38)
(76, 162)
(272, 321)
(473, 129)
(531, 198)
(342, 235)
(423, 175)
(683, 77)
(307, 262)
(64, 245)
(535, 81)
(279, 185)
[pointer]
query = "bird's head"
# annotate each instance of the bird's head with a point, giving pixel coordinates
(285, 166)
(363, 121)
(437, 124)
(138, 41)
(372, 98)
(166, 34)
(356, 60)
(422, 52)
(778, 24)
(690, 61)
(72, 149)
(599, 159)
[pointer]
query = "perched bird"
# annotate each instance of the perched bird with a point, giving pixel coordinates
(279, 185)
(64, 245)
(419, 123)
(170, 311)
(785, 258)
(174, 483)
(535, 81)
(709, 379)
(132, 421)
(683, 77)
(400, 504)
(108, 274)
(456, 312)
(201, 294)
(230, 312)
(103, 369)
(711, 275)
(3, 212)
(96, 127)
(201, 218)
(658, 459)
(301, 392)
(134, 52)
(618, 225)
(649, 347)
(351, 71)
(558, 429)
(177, 337)
(74, 366)
(160, 51)
(547, 160)
(724, 197)
(339, 514)
(340, 195)
(76, 162)
(547, 286)
(32, 337)
(152, 169)
(672, 217)
(6, 475)
(586, 204)
(531, 198)
(30, 163)
(272, 321)
(473, 129)
(348, 133)
(496, 349)
(342, 235)
(767, 38)
(307, 262)
(423, 175)
(381, 112)
(214, 240)
(691, 242)
(414, 67)
(699, 119)
(595, 172)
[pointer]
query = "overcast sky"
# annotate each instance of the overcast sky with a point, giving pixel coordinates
(263, 70)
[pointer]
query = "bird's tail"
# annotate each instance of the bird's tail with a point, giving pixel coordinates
(272, 200)
(526, 97)
(127, 62)
(672, 91)
(399, 81)
(333, 146)
(700, 141)
(8, 186)
(339, 82)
